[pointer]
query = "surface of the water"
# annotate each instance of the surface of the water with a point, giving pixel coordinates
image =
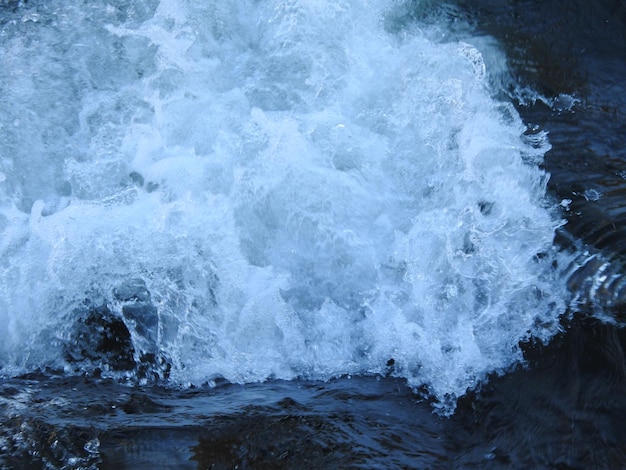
(254, 197)
(295, 192)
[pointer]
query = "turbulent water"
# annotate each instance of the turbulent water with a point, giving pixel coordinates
(299, 189)
(289, 194)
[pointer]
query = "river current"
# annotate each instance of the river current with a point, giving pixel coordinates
(311, 234)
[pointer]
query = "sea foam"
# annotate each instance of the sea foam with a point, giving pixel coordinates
(306, 189)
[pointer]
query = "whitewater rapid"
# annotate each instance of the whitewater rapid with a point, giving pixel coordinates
(305, 189)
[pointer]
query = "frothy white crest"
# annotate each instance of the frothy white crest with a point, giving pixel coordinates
(305, 190)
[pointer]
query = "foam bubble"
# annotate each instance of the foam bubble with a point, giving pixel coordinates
(307, 189)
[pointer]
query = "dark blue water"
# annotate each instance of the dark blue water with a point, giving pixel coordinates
(128, 362)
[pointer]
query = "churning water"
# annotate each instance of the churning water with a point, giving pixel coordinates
(268, 189)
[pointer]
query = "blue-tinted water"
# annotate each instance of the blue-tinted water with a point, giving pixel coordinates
(284, 195)
(257, 198)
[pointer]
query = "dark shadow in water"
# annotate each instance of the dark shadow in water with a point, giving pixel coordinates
(565, 410)
(346, 423)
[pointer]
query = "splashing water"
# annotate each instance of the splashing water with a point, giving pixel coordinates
(288, 189)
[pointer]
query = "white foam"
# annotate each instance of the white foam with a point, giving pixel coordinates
(318, 194)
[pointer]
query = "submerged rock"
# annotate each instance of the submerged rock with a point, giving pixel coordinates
(119, 341)
(101, 337)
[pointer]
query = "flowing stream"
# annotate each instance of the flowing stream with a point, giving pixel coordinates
(280, 194)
